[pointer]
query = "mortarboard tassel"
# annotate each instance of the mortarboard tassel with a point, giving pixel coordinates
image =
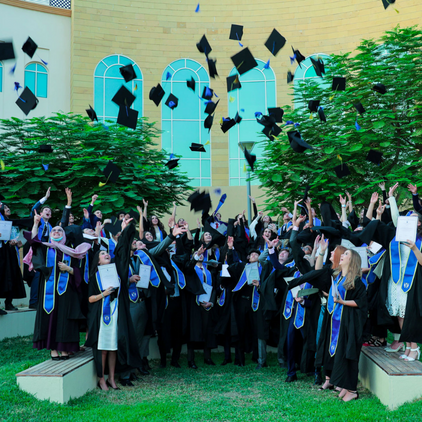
(257, 114)
(357, 125)
(231, 99)
(17, 86)
(44, 62)
(197, 9)
(168, 76)
(242, 110)
(292, 59)
(136, 87)
(12, 70)
(267, 65)
(172, 104)
(2, 165)
(244, 168)
(237, 36)
(217, 191)
(311, 116)
(207, 143)
(297, 124)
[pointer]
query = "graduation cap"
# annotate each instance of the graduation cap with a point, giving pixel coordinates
(339, 84)
(112, 172)
(45, 149)
(91, 113)
(237, 118)
(200, 201)
(128, 72)
(250, 158)
(359, 108)
(207, 93)
(380, 88)
(321, 114)
(236, 32)
(191, 84)
(290, 76)
(277, 113)
(212, 68)
(210, 108)
(172, 101)
(29, 47)
(156, 94)
(27, 101)
(208, 122)
(204, 46)
(374, 156)
(127, 117)
(318, 66)
(172, 162)
(387, 3)
(233, 83)
(6, 51)
(313, 105)
(227, 124)
(296, 142)
(275, 42)
(342, 170)
(244, 61)
(123, 97)
(197, 147)
(298, 56)
(305, 195)
(267, 121)
(114, 227)
(267, 131)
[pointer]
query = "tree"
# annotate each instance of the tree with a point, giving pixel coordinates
(391, 124)
(81, 151)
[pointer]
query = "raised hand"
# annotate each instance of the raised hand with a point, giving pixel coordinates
(323, 244)
(178, 230)
(125, 223)
(86, 214)
(316, 243)
(374, 198)
(94, 198)
(230, 240)
(392, 190)
(412, 188)
(69, 196)
(47, 194)
(349, 197)
(251, 198)
(201, 250)
(37, 218)
(171, 221)
(380, 209)
(139, 209)
(342, 200)
(381, 185)
(145, 202)
(298, 202)
(299, 220)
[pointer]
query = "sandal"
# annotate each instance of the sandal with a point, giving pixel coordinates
(378, 343)
(55, 358)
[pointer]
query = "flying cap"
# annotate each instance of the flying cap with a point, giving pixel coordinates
(30, 47)
(172, 162)
(380, 88)
(27, 101)
(250, 158)
(45, 149)
(236, 32)
(359, 108)
(123, 97)
(298, 56)
(197, 147)
(321, 114)
(112, 172)
(6, 51)
(277, 113)
(275, 42)
(91, 113)
(210, 108)
(244, 61)
(227, 124)
(297, 143)
(374, 156)
(207, 93)
(339, 84)
(233, 83)
(200, 201)
(172, 101)
(237, 118)
(204, 46)
(191, 84)
(127, 117)
(128, 72)
(290, 76)
(212, 68)
(318, 66)
(313, 105)
(208, 122)
(114, 227)
(342, 170)
(156, 94)
(387, 3)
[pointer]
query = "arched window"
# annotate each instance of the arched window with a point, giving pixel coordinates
(185, 124)
(306, 71)
(36, 79)
(108, 80)
(258, 92)
(1, 77)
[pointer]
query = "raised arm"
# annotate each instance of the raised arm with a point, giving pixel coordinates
(64, 222)
(37, 219)
(415, 197)
(393, 204)
(349, 202)
(370, 211)
(41, 202)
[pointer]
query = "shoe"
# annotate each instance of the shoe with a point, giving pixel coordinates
(64, 357)
(403, 356)
(330, 387)
(109, 385)
(175, 364)
(99, 386)
(292, 378)
(146, 364)
(10, 307)
(318, 379)
(192, 365)
(409, 359)
(226, 361)
(55, 358)
(390, 350)
(3, 312)
(354, 398)
(209, 362)
(133, 377)
(143, 371)
(125, 383)
(259, 366)
(378, 343)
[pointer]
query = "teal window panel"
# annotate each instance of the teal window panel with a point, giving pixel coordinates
(206, 182)
(114, 72)
(101, 68)
(32, 67)
(99, 103)
(30, 81)
(42, 82)
(206, 168)
(1, 77)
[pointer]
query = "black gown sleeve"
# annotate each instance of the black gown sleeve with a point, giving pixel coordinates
(122, 252)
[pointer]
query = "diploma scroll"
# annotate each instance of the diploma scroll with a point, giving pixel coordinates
(145, 274)
(406, 229)
(109, 276)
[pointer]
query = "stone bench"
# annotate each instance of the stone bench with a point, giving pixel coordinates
(17, 323)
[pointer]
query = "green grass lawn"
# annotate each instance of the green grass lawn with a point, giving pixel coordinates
(216, 393)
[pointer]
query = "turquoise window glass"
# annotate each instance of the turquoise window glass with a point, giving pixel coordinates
(1, 77)
(185, 124)
(36, 79)
(258, 93)
(108, 80)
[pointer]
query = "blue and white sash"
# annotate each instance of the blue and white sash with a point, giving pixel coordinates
(106, 313)
(111, 247)
(255, 294)
(133, 290)
(208, 280)
(145, 260)
(336, 309)
(373, 263)
(180, 277)
(290, 301)
(41, 229)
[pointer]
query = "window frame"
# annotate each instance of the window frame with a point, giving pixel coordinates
(36, 72)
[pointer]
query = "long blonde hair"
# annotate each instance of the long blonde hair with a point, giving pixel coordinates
(354, 270)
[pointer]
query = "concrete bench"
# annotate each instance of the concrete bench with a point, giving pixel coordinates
(17, 323)
(391, 379)
(59, 381)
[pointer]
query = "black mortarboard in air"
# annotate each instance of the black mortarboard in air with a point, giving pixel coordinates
(318, 66)
(290, 76)
(277, 113)
(296, 142)
(227, 124)
(305, 195)
(339, 84)
(45, 149)
(212, 68)
(210, 108)
(112, 172)
(172, 162)
(374, 156)
(321, 114)
(244, 61)
(387, 3)
(200, 201)
(27, 101)
(276, 130)
(156, 94)
(30, 47)
(275, 42)
(127, 117)
(207, 93)
(313, 105)
(267, 121)
(204, 46)
(298, 56)
(91, 113)
(172, 101)
(359, 108)
(191, 84)
(233, 83)
(237, 118)
(267, 131)
(380, 88)
(342, 170)
(208, 122)
(197, 147)
(123, 97)
(6, 51)
(114, 227)
(236, 32)
(128, 72)
(250, 158)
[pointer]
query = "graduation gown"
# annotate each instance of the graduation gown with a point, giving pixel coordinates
(11, 282)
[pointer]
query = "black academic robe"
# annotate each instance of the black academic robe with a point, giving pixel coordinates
(11, 282)
(128, 352)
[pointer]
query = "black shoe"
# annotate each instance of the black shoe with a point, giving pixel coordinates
(10, 307)
(192, 365)
(209, 362)
(143, 371)
(259, 366)
(291, 379)
(117, 388)
(125, 383)
(64, 357)
(175, 364)
(133, 377)
(226, 361)
(146, 364)
(3, 312)
(318, 379)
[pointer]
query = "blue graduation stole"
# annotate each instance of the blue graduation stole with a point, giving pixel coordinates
(406, 280)
(41, 229)
(111, 247)
(145, 260)
(255, 294)
(86, 269)
(208, 280)
(222, 299)
(180, 277)
(373, 263)
(317, 221)
(50, 284)
(133, 290)
(290, 302)
(106, 309)
(336, 309)
(217, 254)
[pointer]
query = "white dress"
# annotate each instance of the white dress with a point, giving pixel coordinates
(396, 298)
(107, 337)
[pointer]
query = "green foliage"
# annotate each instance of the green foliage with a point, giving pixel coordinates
(391, 124)
(81, 152)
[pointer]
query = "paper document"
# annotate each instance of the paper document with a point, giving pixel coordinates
(89, 237)
(406, 229)
(109, 276)
(145, 274)
(225, 271)
(375, 247)
(361, 250)
(252, 272)
(207, 295)
(334, 290)
(5, 230)
(347, 244)
(295, 290)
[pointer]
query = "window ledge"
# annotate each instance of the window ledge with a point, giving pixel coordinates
(37, 7)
